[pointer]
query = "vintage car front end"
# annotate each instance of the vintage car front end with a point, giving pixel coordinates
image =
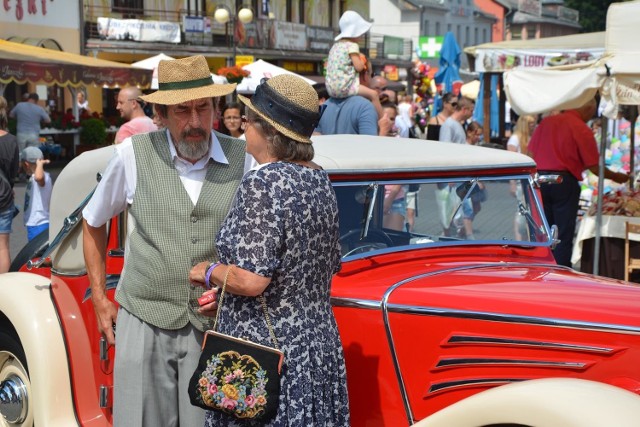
(430, 315)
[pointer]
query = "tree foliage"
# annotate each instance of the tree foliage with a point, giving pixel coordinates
(593, 13)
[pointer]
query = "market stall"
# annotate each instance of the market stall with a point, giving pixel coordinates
(616, 75)
(491, 60)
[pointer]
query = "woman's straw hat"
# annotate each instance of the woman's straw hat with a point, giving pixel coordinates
(186, 79)
(352, 25)
(287, 103)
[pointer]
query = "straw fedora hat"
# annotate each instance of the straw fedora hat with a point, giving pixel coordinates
(287, 103)
(352, 25)
(186, 79)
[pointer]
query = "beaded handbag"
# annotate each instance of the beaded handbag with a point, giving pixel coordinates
(236, 376)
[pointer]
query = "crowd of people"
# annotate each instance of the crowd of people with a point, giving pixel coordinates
(230, 191)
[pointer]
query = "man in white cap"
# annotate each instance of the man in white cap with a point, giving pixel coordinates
(178, 184)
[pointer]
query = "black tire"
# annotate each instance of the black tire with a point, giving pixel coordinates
(33, 249)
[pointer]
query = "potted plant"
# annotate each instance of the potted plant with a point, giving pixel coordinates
(93, 134)
(234, 74)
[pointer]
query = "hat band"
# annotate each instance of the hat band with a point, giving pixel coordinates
(284, 112)
(189, 84)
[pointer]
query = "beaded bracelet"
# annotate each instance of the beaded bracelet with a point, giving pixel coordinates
(207, 276)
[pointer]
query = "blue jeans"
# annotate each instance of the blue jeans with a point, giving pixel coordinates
(6, 217)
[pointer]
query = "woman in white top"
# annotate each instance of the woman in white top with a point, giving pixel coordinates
(519, 140)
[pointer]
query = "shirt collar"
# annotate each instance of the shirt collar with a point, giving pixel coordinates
(215, 151)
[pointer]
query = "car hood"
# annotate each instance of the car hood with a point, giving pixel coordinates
(518, 289)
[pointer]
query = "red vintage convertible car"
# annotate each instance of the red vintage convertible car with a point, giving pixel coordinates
(451, 309)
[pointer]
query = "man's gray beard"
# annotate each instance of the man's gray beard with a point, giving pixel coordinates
(192, 150)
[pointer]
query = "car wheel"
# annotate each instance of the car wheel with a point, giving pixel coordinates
(15, 386)
(33, 249)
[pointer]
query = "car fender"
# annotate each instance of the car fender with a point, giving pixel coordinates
(25, 299)
(567, 402)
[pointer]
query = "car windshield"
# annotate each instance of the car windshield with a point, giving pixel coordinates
(385, 215)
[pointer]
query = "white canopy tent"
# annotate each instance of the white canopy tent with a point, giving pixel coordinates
(616, 75)
(152, 63)
(259, 70)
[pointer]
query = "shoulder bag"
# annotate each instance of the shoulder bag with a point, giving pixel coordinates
(236, 376)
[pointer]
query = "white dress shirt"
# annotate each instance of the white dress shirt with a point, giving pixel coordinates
(117, 187)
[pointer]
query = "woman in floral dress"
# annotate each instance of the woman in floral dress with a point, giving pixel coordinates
(281, 240)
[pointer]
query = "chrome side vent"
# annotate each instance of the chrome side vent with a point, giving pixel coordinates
(550, 345)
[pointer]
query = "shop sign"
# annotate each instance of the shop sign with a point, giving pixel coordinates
(568, 14)
(289, 36)
(320, 39)
(430, 46)
(196, 24)
(299, 67)
(138, 30)
(531, 7)
(506, 59)
(242, 60)
(46, 13)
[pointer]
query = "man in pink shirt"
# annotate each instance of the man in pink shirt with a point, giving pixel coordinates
(130, 107)
(563, 144)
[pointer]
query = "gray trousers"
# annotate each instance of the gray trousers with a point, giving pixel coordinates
(151, 374)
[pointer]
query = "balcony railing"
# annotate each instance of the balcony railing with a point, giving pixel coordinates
(262, 33)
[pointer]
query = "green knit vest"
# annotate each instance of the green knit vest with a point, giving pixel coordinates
(171, 234)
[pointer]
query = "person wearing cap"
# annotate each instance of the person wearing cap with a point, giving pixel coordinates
(177, 184)
(37, 197)
(131, 108)
(345, 61)
(281, 241)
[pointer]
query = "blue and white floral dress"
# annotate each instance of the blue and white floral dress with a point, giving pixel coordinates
(284, 224)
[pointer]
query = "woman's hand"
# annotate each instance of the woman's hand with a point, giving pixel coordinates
(211, 307)
(197, 273)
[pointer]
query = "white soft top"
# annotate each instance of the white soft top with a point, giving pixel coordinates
(364, 153)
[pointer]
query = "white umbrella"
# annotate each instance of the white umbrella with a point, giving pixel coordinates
(152, 63)
(259, 70)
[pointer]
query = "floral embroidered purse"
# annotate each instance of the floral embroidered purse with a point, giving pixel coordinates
(236, 376)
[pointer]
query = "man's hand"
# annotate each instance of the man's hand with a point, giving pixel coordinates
(384, 124)
(620, 177)
(197, 273)
(106, 314)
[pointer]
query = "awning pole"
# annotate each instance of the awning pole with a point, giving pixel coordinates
(603, 150)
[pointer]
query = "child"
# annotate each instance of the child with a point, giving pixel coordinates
(38, 194)
(346, 62)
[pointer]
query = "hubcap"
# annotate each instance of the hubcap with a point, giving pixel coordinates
(13, 399)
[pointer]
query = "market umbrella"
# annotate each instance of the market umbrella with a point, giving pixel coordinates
(259, 70)
(448, 76)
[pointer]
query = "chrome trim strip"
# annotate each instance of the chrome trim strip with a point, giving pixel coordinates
(355, 303)
(454, 362)
(486, 167)
(67, 274)
(449, 385)
(512, 318)
(485, 340)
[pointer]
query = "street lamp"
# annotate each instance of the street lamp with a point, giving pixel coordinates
(223, 15)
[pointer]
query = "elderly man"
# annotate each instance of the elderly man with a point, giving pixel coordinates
(131, 109)
(178, 184)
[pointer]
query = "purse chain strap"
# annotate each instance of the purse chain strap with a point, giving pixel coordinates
(263, 302)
